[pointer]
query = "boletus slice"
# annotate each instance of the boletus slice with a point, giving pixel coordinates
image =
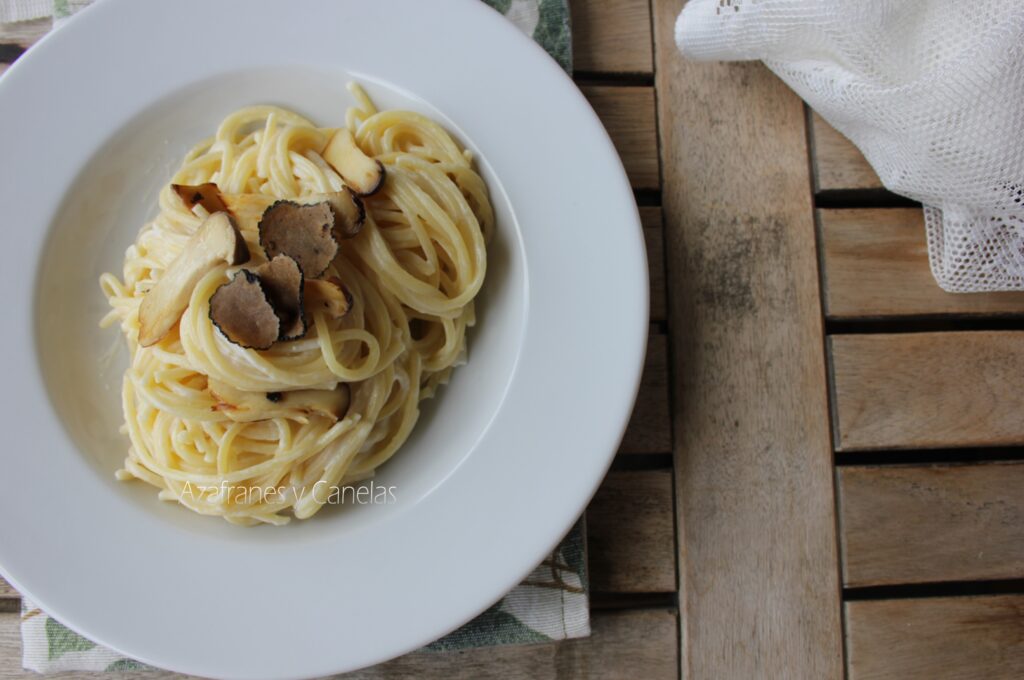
(241, 309)
(305, 233)
(327, 296)
(246, 407)
(207, 195)
(364, 174)
(282, 281)
(217, 241)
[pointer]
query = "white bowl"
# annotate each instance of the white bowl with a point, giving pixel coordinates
(501, 463)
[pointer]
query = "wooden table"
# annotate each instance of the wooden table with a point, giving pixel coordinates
(824, 473)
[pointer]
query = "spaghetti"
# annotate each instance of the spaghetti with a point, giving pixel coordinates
(412, 274)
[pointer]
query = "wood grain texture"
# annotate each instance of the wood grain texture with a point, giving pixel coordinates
(955, 638)
(628, 115)
(655, 240)
(921, 524)
(613, 36)
(838, 164)
(622, 645)
(650, 427)
(759, 591)
(7, 590)
(927, 390)
(875, 265)
(24, 33)
(631, 534)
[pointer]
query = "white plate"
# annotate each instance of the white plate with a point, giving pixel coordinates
(501, 463)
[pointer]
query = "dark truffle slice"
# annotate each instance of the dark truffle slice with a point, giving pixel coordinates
(282, 280)
(305, 233)
(242, 312)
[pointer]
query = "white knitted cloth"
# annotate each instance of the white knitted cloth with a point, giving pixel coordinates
(931, 91)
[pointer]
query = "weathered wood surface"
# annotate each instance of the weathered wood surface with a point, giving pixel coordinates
(928, 390)
(758, 584)
(24, 33)
(631, 533)
(931, 523)
(875, 265)
(628, 114)
(941, 638)
(612, 36)
(650, 427)
(838, 163)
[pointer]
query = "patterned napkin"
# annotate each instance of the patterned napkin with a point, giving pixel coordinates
(551, 604)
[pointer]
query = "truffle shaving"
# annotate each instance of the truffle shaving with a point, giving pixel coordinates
(303, 232)
(242, 312)
(282, 280)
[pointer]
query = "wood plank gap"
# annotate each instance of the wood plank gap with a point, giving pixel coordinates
(930, 590)
(646, 198)
(925, 324)
(583, 78)
(951, 456)
(862, 198)
(602, 601)
(8, 53)
(642, 461)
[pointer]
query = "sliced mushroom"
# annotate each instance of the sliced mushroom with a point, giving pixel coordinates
(349, 211)
(327, 296)
(364, 174)
(282, 280)
(207, 195)
(303, 232)
(215, 242)
(247, 407)
(242, 311)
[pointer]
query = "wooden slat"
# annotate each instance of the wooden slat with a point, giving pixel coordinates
(650, 428)
(24, 33)
(838, 163)
(628, 115)
(630, 533)
(918, 390)
(612, 36)
(758, 582)
(654, 236)
(931, 523)
(6, 590)
(621, 645)
(955, 638)
(875, 265)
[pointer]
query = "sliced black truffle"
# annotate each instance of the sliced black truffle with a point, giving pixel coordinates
(282, 280)
(305, 233)
(206, 195)
(242, 312)
(364, 174)
(327, 296)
